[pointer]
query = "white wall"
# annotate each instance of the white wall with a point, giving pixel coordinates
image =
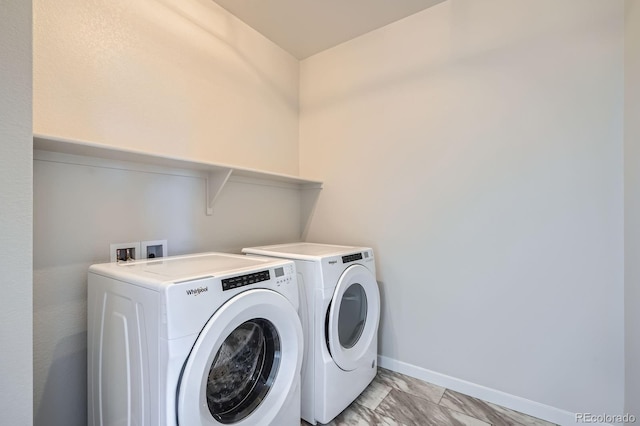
(632, 205)
(16, 207)
(477, 147)
(179, 78)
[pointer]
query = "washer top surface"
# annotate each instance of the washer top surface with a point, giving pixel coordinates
(213, 264)
(304, 250)
(183, 267)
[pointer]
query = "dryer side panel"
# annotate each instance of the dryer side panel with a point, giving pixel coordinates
(122, 325)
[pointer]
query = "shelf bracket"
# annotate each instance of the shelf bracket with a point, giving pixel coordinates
(215, 181)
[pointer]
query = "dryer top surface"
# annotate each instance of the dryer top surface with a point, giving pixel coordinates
(304, 250)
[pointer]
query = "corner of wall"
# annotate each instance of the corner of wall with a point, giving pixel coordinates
(632, 206)
(16, 213)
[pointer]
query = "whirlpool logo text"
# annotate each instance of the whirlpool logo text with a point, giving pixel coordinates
(197, 291)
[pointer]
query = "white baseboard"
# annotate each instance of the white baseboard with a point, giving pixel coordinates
(532, 408)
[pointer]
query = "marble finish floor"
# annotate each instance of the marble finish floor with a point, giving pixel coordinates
(393, 399)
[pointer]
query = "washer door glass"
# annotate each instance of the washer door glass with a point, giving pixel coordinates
(243, 371)
(244, 364)
(352, 315)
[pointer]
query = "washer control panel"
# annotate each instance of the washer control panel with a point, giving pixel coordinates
(243, 280)
(283, 274)
(278, 275)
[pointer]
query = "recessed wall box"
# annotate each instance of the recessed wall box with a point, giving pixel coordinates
(124, 252)
(153, 249)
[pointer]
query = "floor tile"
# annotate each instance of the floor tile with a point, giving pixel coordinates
(393, 399)
(373, 394)
(491, 413)
(357, 415)
(360, 412)
(409, 409)
(410, 385)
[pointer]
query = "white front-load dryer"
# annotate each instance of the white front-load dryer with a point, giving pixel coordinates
(340, 312)
(206, 339)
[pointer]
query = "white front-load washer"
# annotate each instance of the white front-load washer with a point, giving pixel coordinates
(340, 323)
(206, 339)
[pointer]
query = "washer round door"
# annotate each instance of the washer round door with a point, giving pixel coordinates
(244, 363)
(352, 318)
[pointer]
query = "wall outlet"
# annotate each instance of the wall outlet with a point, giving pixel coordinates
(153, 249)
(124, 252)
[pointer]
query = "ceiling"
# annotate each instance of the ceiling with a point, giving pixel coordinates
(306, 27)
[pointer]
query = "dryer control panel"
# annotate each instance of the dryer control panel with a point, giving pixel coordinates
(351, 257)
(365, 255)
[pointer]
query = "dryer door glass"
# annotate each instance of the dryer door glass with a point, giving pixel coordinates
(351, 321)
(352, 316)
(243, 371)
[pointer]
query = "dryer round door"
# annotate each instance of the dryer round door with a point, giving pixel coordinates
(244, 363)
(352, 319)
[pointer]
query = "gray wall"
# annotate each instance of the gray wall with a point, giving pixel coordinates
(478, 147)
(16, 371)
(632, 205)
